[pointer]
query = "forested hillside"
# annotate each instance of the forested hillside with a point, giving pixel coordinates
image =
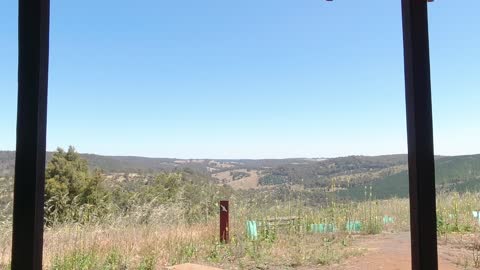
(458, 173)
(344, 171)
(346, 175)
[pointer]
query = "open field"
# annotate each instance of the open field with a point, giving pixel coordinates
(239, 179)
(120, 243)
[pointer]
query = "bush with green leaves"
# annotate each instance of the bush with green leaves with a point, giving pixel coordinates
(72, 192)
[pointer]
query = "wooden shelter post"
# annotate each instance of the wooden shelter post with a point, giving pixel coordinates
(33, 46)
(421, 170)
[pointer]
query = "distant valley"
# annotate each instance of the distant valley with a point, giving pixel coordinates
(346, 176)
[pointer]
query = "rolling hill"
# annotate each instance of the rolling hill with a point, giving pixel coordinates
(457, 173)
(346, 175)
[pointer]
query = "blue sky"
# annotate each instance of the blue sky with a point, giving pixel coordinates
(244, 79)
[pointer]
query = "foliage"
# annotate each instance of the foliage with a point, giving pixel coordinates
(345, 170)
(72, 193)
(77, 260)
(459, 173)
(6, 203)
(237, 175)
(139, 220)
(273, 179)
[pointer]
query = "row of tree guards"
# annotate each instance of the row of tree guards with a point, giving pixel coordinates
(352, 226)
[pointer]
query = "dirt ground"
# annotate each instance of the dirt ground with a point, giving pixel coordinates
(392, 252)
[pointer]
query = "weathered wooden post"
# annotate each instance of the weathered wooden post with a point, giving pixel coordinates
(224, 227)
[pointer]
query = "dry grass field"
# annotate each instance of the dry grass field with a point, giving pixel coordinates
(122, 244)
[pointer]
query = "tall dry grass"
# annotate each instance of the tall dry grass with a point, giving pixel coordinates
(166, 239)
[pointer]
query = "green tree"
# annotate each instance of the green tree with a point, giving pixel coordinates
(165, 188)
(72, 192)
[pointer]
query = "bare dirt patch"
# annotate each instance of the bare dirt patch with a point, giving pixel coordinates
(247, 182)
(389, 252)
(461, 249)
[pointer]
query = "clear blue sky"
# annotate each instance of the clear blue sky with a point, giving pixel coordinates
(245, 79)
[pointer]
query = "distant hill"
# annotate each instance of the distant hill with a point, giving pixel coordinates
(250, 173)
(348, 176)
(341, 171)
(113, 164)
(459, 173)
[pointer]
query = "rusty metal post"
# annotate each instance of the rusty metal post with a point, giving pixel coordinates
(224, 226)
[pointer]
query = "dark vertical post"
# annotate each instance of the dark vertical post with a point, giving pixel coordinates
(33, 42)
(224, 227)
(420, 135)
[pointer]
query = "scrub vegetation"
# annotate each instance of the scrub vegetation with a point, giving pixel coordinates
(97, 219)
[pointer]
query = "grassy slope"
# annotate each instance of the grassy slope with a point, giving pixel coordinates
(459, 173)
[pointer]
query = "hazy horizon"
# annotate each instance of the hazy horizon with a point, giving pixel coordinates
(244, 79)
(239, 158)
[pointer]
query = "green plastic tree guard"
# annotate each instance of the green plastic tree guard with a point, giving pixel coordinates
(353, 226)
(252, 230)
(387, 220)
(476, 215)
